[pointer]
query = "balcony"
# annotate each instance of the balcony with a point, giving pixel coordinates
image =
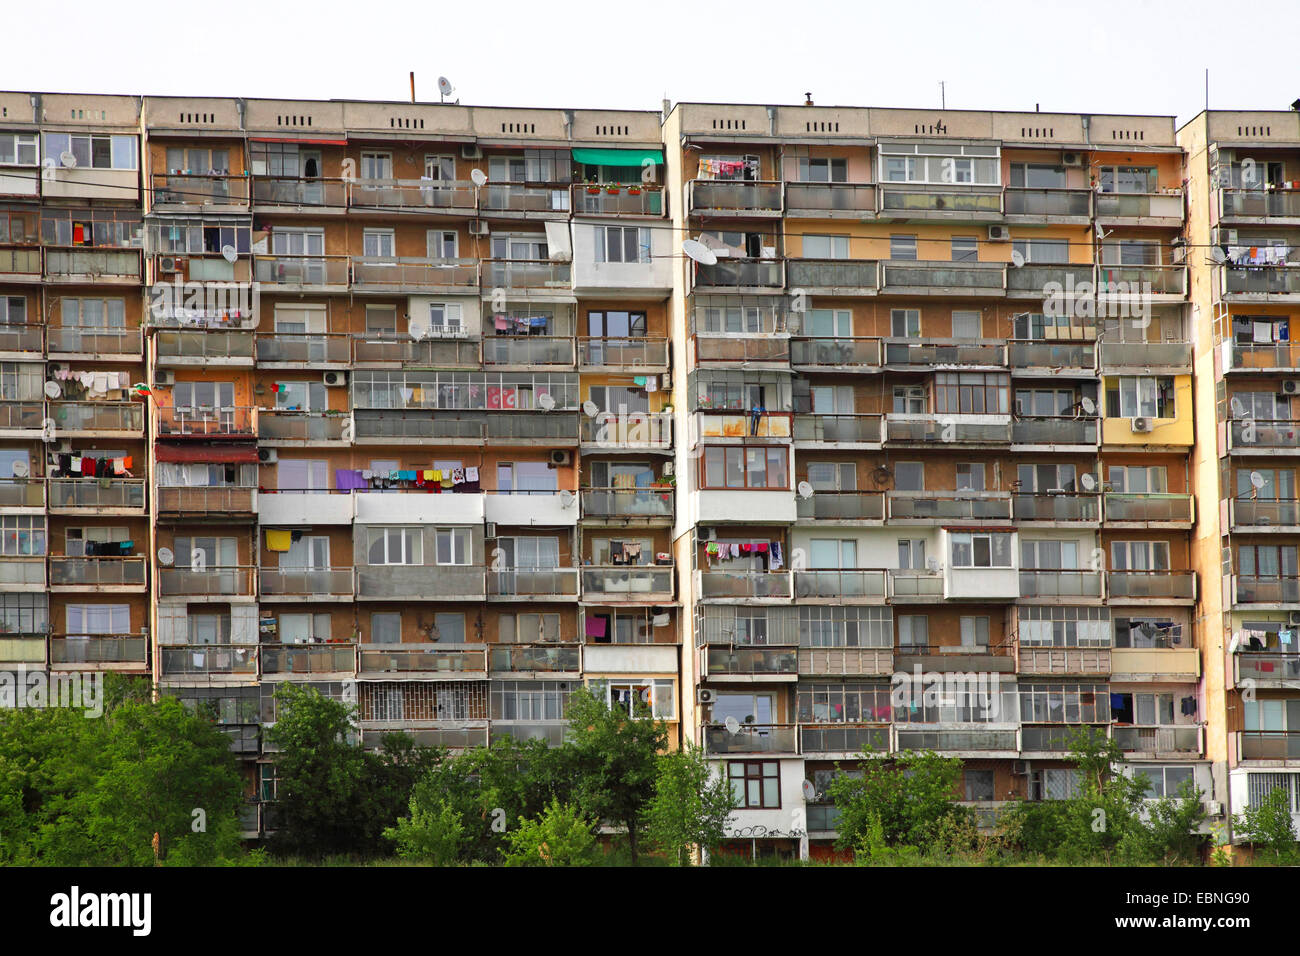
(976, 740)
(97, 574)
(1141, 209)
(927, 507)
(1062, 508)
(281, 425)
(202, 660)
(214, 348)
(1264, 515)
(836, 354)
(840, 585)
(528, 351)
(1053, 358)
(215, 582)
(1268, 745)
(845, 661)
(1271, 669)
(1059, 583)
(833, 276)
(749, 349)
(743, 585)
(302, 273)
(525, 200)
(543, 584)
(836, 506)
(309, 659)
(1066, 661)
(736, 423)
(23, 650)
(1172, 357)
(70, 341)
(913, 586)
(948, 429)
(196, 422)
(535, 658)
(623, 355)
(420, 583)
(1260, 205)
(450, 738)
(398, 426)
(305, 584)
(371, 274)
(626, 583)
(300, 195)
(848, 739)
(745, 663)
(944, 278)
(965, 203)
(302, 349)
(20, 263)
(113, 266)
(24, 493)
(751, 739)
(838, 430)
(1251, 589)
(22, 419)
(636, 431)
(22, 573)
(199, 193)
(23, 340)
(627, 503)
(740, 275)
(830, 200)
(99, 652)
(1158, 741)
(423, 661)
(1263, 437)
(424, 353)
(735, 199)
(98, 419)
(1156, 664)
(944, 352)
(1148, 511)
(1174, 587)
(1134, 281)
(414, 195)
(1043, 280)
(1262, 283)
(645, 201)
(1053, 431)
(1031, 204)
(526, 276)
(207, 502)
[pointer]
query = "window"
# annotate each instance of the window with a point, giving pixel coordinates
(832, 553)
(301, 396)
(1053, 626)
(208, 552)
(445, 319)
(620, 399)
(970, 476)
(13, 309)
(440, 168)
(529, 700)
(909, 476)
(911, 554)
(981, 549)
(832, 399)
(208, 628)
(302, 475)
(622, 244)
(830, 323)
(905, 323)
(19, 149)
(376, 165)
(194, 397)
(940, 163)
(448, 628)
(1148, 632)
(913, 630)
(96, 151)
(965, 249)
(1147, 710)
(843, 702)
(756, 783)
(304, 628)
(377, 243)
(909, 399)
(979, 784)
(528, 628)
(1134, 396)
(825, 247)
(22, 535)
(1139, 555)
(87, 619)
(381, 321)
(617, 325)
(638, 698)
(751, 627)
(972, 393)
(832, 476)
(1040, 479)
(965, 325)
(740, 467)
(1049, 554)
(1064, 703)
(1044, 402)
(1278, 484)
(85, 313)
(1129, 179)
(395, 546)
(1265, 561)
(974, 632)
(902, 247)
(1164, 780)
(24, 613)
(524, 477)
(452, 545)
(813, 169)
(1037, 176)
(311, 551)
(385, 628)
(1054, 251)
(1150, 479)
(1059, 784)
(845, 626)
(441, 244)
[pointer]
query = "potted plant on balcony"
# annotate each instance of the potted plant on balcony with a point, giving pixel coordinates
(634, 190)
(593, 189)
(612, 188)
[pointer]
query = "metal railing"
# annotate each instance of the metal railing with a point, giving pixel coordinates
(1248, 434)
(836, 352)
(23, 492)
(1159, 740)
(234, 581)
(943, 505)
(624, 582)
(1054, 582)
(1267, 665)
(745, 584)
(983, 200)
(191, 189)
(22, 338)
(839, 583)
(1066, 506)
(741, 348)
(944, 352)
(20, 261)
(627, 502)
(633, 353)
(1164, 280)
(209, 659)
(1145, 354)
(842, 505)
(310, 348)
(1147, 507)
(211, 422)
(72, 338)
(96, 572)
(309, 658)
(1268, 745)
(217, 499)
(837, 428)
(22, 570)
(281, 424)
(832, 273)
(306, 582)
(1035, 279)
(99, 649)
(1040, 201)
(741, 660)
(301, 271)
(102, 263)
(557, 658)
(400, 273)
(540, 583)
(415, 194)
(1163, 205)
(1052, 355)
(1265, 513)
(733, 273)
(431, 353)
(911, 584)
(1152, 584)
(293, 191)
(1063, 660)
(751, 739)
(1054, 430)
(644, 201)
(1260, 203)
(842, 738)
(421, 658)
(845, 661)
(528, 350)
(816, 199)
(525, 274)
(738, 197)
(913, 738)
(1253, 589)
(98, 416)
(525, 197)
(22, 415)
(901, 274)
(945, 428)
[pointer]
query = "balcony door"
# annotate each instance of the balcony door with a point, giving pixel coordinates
(83, 621)
(305, 248)
(527, 565)
(212, 562)
(308, 322)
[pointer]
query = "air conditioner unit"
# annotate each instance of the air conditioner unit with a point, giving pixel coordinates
(1213, 808)
(164, 376)
(477, 227)
(666, 380)
(1021, 767)
(1141, 425)
(1293, 617)
(267, 456)
(471, 152)
(335, 379)
(561, 456)
(171, 264)
(1291, 387)
(999, 233)
(668, 468)
(1072, 159)
(706, 695)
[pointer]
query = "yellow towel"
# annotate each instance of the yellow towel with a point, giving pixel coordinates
(278, 540)
(428, 474)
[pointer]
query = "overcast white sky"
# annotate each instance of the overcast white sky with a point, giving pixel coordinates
(1132, 56)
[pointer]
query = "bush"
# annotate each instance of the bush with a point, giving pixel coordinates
(431, 835)
(1269, 827)
(559, 836)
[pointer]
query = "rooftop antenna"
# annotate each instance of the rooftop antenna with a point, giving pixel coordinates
(445, 89)
(412, 86)
(943, 97)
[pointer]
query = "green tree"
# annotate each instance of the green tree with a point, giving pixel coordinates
(1170, 833)
(559, 836)
(897, 801)
(431, 834)
(614, 761)
(691, 804)
(1270, 828)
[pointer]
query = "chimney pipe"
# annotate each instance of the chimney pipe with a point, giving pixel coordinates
(412, 86)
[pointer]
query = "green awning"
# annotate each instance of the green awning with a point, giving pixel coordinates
(618, 157)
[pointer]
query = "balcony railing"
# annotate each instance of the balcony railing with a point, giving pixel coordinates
(1260, 203)
(1167, 205)
(193, 421)
(401, 274)
(1053, 430)
(626, 583)
(731, 273)
(1035, 279)
(907, 584)
(22, 571)
(944, 352)
(412, 194)
(421, 658)
(842, 738)
(96, 572)
(1265, 513)
(1151, 584)
(528, 350)
(420, 582)
(914, 738)
(741, 348)
(842, 506)
(940, 505)
(831, 274)
(292, 191)
(845, 661)
(1133, 280)
(1262, 280)
(943, 276)
(213, 582)
(22, 493)
(306, 582)
(90, 417)
(98, 264)
(209, 659)
(526, 274)
(283, 425)
(1066, 506)
(184, 189)
(525, 198)
(1118, 355)
(714, 197)
(304, 348)
(1158, 740)
(306, 272)
(644, 202)
(69, 339)
(1148, 507)
(839, 583)
(837, 428)
(836, 353)
(384, 425)
(1268, 665)
(557, 658)
(1268, 745)
(533, 583)
(1063, 660)
(1051, 203)
(946, 428)
(752, 739)
(23, 650)
(980, 200)
(627, 502)
(1251, 589)
(425, 353)
(740, 661)
(637, 429)
(22, 338)
(99, 649)
(830, 200)
(745, 584)
(1053, 583)
(634, 353)
(309, 658)
(216, 499)
(1052, 355)
(26, 416)
(20, 261)
(1278, 356)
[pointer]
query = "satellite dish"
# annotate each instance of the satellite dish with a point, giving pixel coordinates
(1088, 482)
(660, 620)
(567, 498)
(1238, 409)
(1101, 233)
(732, 725)
(1088, 405)
(589, 409)
(698, 251)
(805, 490)
(21, 469)
(1257, 480)
(52, 389)
(792, 323)
(228, 253)
(1017, 258)
(478, 176)
(68, 159)
(445, 87)
(809, 791)
(165, 557)
(1218, 255)
(546, 401)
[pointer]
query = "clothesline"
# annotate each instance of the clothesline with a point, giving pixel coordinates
(430, 479)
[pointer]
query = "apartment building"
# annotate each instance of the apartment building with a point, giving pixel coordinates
(1244, 200)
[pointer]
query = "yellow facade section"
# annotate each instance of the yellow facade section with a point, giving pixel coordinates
(1179, 430)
